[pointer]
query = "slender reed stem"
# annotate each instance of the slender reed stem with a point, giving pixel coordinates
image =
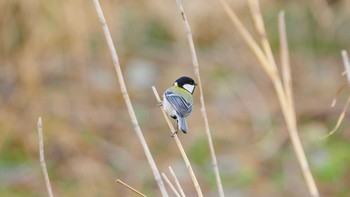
(267, 62)
(177, 182)
(203, 110)
(290, 111)
(248, 39)
(260, 27)
(170, 185)
(130, 188)
(346, 63)
(179, 145)
(42, 157)
(285, 62)
(127, 99)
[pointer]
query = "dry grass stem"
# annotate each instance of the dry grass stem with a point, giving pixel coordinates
(267, 62)
(42, 157)
(260, 27)
(127, 99)
(346, 63)
(203, 110)
(285, 62)
(340, 119)
(248, 39)
(170, 185)
(177, 182)
(334, 101)
(179, 145)
(130, 188)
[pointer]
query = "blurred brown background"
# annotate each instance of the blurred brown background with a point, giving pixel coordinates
(54, 63)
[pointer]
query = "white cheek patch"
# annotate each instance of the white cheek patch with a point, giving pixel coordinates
(189, 87)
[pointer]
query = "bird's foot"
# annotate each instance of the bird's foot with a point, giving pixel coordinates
(175, 133)
(160, 104)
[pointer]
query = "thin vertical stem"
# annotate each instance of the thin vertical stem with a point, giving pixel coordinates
(285, 62)
(203, 110)
(127, 99)
(346, 63)
(248, 39)
(42, 157)
(170, 185)
(267, 62)
(179, 145)
(260, 27)
(177, 182)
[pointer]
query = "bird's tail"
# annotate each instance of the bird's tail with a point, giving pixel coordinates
(182, 124)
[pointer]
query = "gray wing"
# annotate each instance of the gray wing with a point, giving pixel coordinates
(182, 107)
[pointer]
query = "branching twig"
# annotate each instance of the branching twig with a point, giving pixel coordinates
(179, 145)
(127, 99)
(42, 157)
(266, 60)
(130, 188)
(248, 39)
(204, 114)
(170, 185)
(177, 182)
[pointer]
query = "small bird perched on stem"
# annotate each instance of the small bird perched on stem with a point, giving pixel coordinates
(178, 101)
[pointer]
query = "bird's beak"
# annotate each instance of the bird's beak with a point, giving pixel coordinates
(195, 85)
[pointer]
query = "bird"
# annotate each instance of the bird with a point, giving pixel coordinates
(178, 101)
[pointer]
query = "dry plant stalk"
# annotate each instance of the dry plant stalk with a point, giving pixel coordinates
(177, 182)
(127, 99)
(339, 121)
(42, 157)
(248, 39)
(130, 188)
(266, 60)
(203, 110)
(170, 185)
(285, 62)
(179, 145)
(346, 63)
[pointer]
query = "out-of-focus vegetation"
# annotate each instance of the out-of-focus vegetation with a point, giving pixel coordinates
(54, 63)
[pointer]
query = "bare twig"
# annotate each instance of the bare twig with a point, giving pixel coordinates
(177, 182)
(42, 157)
(204, 114)
(130, 188)
(170, 185)
(179, 145)
(266, 61)
(127, 99)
